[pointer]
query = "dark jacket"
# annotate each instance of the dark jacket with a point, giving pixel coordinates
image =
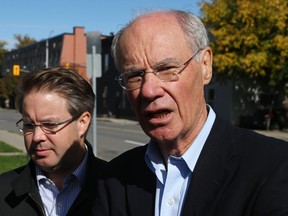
(19, 192)
(238, 173)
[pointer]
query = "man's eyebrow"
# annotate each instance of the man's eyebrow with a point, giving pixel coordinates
(132, 69)
(166, 61)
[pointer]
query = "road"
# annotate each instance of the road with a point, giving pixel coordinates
(114, 136)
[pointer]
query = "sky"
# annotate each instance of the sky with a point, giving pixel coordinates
(41, 19)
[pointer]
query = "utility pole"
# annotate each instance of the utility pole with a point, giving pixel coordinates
(47, 54)
(94, 65)
(94, 86)
(94, 69)
(47, 51)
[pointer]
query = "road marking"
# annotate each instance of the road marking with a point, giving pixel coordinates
(120, 129)
(134, 142)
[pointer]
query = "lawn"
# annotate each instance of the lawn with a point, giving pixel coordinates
(12, 161)
(4, 147)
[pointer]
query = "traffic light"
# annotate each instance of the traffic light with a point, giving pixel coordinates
(16, 70)
(67, 65)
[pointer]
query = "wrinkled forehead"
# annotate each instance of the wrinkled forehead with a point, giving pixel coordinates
(150, 39)
(152, 25)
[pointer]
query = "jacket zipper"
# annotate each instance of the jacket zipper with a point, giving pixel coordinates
(38, 204)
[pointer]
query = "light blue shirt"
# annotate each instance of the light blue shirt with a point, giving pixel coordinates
(172, 184)
(55, 202)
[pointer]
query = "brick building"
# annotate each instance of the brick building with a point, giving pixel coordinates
(70, 50)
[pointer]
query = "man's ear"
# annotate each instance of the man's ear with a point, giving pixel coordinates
(207, 61)
(84, 121)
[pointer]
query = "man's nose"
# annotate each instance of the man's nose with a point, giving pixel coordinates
(38, 133)
(151, 86)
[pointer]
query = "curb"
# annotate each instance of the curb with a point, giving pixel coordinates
(12, 154)
(13, 139)
(117, 120)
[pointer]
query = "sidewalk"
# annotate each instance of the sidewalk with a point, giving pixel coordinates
(275, 133)
(13, 139)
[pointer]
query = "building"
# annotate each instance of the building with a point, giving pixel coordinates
(67, 50)
(70, 50)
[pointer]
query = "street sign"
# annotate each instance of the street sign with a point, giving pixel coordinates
(94, 65)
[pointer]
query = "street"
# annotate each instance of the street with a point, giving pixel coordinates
(113, 136)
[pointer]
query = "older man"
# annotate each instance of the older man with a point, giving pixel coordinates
(195, 163)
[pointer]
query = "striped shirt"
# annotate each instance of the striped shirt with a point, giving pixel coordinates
(55, 202)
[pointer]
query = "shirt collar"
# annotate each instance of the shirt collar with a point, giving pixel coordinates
(78, 173)
(193, 152)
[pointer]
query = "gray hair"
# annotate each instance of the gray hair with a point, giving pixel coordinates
(195, 32)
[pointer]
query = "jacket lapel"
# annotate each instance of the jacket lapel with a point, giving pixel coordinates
(214, 170)
(25, 185)
(141, 191)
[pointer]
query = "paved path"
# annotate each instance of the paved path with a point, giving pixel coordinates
(13, 139)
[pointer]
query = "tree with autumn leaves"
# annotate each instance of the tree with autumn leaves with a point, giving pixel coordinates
(250, 44)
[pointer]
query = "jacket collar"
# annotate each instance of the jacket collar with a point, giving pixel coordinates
(26, 183)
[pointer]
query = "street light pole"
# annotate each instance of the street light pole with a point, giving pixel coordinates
(47, 51)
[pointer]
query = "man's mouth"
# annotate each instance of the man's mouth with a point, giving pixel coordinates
(158, 114)
(41, 151)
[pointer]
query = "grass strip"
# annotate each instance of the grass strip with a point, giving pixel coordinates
(12, 162)
(4, 147)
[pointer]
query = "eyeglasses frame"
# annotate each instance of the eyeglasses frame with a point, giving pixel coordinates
(66, 122)
(119, 77)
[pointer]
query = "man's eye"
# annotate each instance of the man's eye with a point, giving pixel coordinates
(167, 69)
(49, 125)
(133, 76)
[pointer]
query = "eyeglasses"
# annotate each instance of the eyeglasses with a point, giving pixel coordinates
(46, 127)
(132, 80)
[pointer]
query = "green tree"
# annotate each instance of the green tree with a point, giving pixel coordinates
(11, 83)
(3, 91)
(23, 40)
(2, 52)
(250, 43)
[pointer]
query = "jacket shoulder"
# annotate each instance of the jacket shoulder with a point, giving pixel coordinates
(233, 140)
(130, 162)
(11, 174)
(136, 154)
